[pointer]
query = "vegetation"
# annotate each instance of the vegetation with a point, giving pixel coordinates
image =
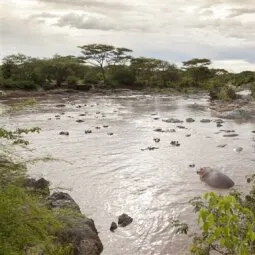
(26, 226)
(113, 67)
(227, 223)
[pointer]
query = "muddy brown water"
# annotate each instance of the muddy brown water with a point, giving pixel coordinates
(110, 174)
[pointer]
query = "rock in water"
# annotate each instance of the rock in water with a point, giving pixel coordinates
(124, 220)
(113, 226)
(215, 178)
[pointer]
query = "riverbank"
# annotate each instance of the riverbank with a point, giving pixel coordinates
(33, 221)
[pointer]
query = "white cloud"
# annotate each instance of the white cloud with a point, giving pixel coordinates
(175, 30)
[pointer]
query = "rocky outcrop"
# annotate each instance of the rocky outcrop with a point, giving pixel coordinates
(79, 230)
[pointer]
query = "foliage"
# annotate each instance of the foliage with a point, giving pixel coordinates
(102, 64)
(100, 54)
(16, 136)
(223, 93)
(27, 225)
(253, 89)
(227, 223)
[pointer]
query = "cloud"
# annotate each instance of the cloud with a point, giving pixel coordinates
(235, 12)
(88, 21)
(175, 30)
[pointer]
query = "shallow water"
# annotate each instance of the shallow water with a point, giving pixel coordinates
(110, 174)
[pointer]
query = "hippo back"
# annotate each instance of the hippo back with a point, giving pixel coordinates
(217, 179)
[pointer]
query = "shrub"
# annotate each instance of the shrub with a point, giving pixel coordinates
(253, 89)
(223, 93)
(72, 80)
(19, 84)
(26, 225)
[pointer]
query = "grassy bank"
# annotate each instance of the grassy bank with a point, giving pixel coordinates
(27, 226)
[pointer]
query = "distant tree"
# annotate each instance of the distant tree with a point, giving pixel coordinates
(59, 68)
(198, 69)
(102, 54)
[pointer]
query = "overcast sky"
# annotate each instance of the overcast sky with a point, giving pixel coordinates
(173, 30)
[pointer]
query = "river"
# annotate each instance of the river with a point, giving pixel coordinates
(109, 174)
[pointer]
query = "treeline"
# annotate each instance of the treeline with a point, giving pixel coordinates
(108, 66)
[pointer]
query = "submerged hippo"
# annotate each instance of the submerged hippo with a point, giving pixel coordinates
(214, 178)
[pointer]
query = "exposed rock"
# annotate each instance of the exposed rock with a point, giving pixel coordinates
(110, 133)
(227, 131)
(64, 133)
(113, 226)
(97, 127)
(238, 149)
(230, 135)
(175, 143)
(150, 148)
(219, 121)
(60, 105)
(222, 145)
(156, 118)
(205, 121)
(124, 220)
(105, 126)
(159, 130)
(88, 131)
(79, 121)
(188, 135)
(190, 120)
(171, 130)
(181, 127)
(63, 200)
(172, 120)
(40, 186)
(81, 232)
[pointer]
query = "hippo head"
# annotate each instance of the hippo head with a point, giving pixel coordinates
(203, 170)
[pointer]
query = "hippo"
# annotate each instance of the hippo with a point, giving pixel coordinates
(215, 178)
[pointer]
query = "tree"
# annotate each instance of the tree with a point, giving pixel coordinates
(59, 68)
(198, 69)
(102, 54)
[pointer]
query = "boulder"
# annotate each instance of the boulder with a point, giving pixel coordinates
(124, 220)
(40, 186)
(190, 120)
(113, 226)
(205, 121)
(63, 200)
(78, 230)
(172, 120)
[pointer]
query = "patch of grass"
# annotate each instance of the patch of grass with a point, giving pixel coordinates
(22, 105)
(26, 225)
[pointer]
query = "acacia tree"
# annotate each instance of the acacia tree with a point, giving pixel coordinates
(198, 69)
(101, 54)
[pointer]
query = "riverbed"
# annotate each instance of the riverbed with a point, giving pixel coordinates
(110, 171)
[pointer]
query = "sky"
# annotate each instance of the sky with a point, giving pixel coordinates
(173, 30)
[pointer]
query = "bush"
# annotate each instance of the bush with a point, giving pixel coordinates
(253, 89)
(227, 223)
(223, 93)
(72, 80)
(19, 84)
(121, 76)
(26, 225)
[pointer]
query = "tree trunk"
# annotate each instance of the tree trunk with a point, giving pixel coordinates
(103, 73)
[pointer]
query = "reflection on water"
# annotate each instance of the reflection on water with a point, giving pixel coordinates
(109, 175)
